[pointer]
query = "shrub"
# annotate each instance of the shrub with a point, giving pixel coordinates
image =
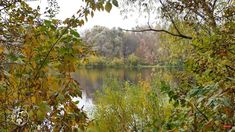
(130, 107)
(116, 62)
(133, 60)
(96, 61)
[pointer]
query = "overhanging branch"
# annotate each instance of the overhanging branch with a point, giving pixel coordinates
(179, 34)
(159, 30)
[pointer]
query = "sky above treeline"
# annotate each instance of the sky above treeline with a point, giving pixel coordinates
(102, 18)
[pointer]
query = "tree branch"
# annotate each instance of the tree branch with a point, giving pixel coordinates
(213, 5)
(8, 4)
(201, 113)
(49, 51)
(173, 22)
(159, 30)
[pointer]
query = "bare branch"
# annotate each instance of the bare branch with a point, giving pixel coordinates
(173, 22)
(160, 30)
(213, 5)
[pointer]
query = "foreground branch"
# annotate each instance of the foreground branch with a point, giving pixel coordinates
(160, 30)
(49, 51)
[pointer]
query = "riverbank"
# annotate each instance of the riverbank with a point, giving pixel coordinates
(127, 66)
(131, 61)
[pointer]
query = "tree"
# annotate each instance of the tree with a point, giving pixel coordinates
(106, 42)
(148, 47)
(130, 44)
(206, 89)
(117, 43)
(37, 58)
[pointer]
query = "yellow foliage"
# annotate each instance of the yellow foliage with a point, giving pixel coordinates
(1, 50)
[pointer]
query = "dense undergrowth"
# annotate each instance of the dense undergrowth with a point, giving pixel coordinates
(124, 106)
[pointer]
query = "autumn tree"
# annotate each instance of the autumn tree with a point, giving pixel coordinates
(37, 57)
(117, 43)
(205, 95)
(130, 44)
(148, 46)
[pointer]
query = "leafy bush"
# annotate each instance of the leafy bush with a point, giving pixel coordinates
(133, 60)
(130, 107)
(96, 61)
(116, 62)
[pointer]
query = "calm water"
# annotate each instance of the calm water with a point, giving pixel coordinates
(92, 80)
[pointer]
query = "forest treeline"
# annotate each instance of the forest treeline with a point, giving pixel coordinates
(116, 47)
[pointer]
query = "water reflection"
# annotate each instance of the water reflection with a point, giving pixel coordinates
(86, 104)
(92, 80)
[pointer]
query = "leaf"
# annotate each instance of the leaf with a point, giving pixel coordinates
(1, 50)
(108, 6)
(47, 23)
(115, 3)
(33, 99)
(44, 107)
(92, 13)
(40, 115)
(194, 92)
(77, 102)
(75, 33)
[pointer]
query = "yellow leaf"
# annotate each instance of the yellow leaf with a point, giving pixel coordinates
(1, 50)
(33, 99)
(42, 37)
(80, 50)
(34, 64)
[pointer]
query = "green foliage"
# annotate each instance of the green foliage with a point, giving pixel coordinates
(206, 86)
(115, 43)
(116, 62)
(133, 60)
(106, 42)
(100, 61)
(96, 61)
(130, 107)
(204, 97)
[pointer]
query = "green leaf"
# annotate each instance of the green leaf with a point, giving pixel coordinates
(47, 23)
(108, 6)
(92, 13)
(44, 107)
(12, 57)
(74, 33)
(40, 115)
(77, 102)
(115, 3)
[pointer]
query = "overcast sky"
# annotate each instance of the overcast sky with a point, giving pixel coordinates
(112, 19)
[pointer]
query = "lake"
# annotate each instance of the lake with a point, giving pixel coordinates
(93, 79)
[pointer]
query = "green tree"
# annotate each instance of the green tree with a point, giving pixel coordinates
(106, 42)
